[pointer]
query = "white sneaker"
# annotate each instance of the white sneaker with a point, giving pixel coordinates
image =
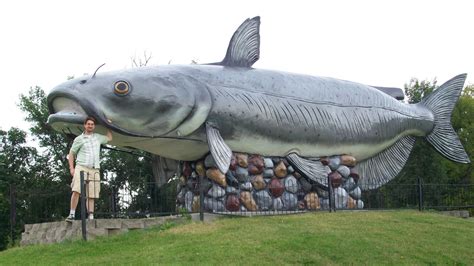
(91, 216)
(70, 218)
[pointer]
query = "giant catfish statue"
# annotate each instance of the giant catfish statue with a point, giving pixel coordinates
(183, 112)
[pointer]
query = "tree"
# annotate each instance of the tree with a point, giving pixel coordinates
(4, 209)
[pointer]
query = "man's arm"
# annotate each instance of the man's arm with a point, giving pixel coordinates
(109, 135)
(71, 163)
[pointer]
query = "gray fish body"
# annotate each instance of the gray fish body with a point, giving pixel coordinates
(256, 111)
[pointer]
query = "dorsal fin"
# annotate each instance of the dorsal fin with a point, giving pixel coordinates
(244, 47)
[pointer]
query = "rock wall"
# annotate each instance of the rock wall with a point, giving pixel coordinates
(256, 183)
(55, 232)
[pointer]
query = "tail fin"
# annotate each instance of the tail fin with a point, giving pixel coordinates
(443, 137)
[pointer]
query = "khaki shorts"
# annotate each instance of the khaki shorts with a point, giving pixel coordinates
(92, 179)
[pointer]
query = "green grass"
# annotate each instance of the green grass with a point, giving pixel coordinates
(373, 237)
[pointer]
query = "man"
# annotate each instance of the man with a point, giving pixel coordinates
(86, 150)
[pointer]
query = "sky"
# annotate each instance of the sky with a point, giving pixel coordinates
(380, 43)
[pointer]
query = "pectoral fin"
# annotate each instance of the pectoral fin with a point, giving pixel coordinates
(219, 150)
(311, 169)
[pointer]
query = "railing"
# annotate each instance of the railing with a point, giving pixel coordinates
(146, 199)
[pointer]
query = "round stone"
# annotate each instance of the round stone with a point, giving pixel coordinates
(231, 180)
(201, 169)
(183, 180)
(324, 160)
(354, 174)
(206, 185)
(264, 200)
(280, 170)
(268, 163)
(356, 193)
(231, 190)
(336, 179)
(340, 198)
(290, 202)
(277, 204)
(290, 169)
(242, 174)
(246, 186)
(276, 188)
(297, 175)
(258, 182)
(334, 162)
(216, 175)
(209, 161)
(348, 160)
(242, 159)
(291, 185)
(255, 164)
(324, 203)
(213, 205)
(187, 170)
(196, 204)
(248, 201)
(350, 184)
(312, 201)
(351, 203)
(344, 171)
(232, 203)
(254, 170)
(268, 173)
(188, 200)
(233, 163)
(216, 191)
(180, 196)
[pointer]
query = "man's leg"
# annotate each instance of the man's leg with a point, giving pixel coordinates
(90, 208)
(74, 200)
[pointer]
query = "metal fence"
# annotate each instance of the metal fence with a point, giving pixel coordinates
(146, 199)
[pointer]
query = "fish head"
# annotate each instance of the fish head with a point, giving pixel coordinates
(141, 102)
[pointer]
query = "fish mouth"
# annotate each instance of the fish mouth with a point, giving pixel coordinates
(66, 114)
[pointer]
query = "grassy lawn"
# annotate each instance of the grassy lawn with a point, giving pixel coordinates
(373, 237)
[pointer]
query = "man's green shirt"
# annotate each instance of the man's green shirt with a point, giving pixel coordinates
(86, 149)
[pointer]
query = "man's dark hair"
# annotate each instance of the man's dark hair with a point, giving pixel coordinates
(91, 119)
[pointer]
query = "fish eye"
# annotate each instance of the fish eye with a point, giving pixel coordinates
(121, 88)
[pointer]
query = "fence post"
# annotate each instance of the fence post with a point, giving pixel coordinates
(201, 199)
(112, 201)
(83, 207)
(420, 194)
(12, 211)
(331, 194)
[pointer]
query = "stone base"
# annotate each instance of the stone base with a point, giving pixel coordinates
(460, 214)
(255, 183)
(60, 231)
